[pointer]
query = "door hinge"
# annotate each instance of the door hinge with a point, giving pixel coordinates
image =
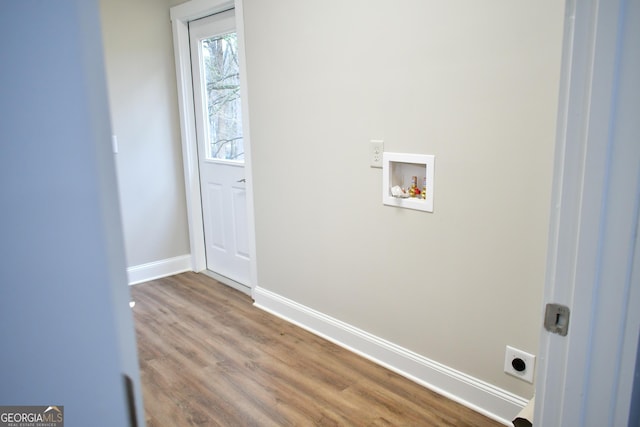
(556, 319)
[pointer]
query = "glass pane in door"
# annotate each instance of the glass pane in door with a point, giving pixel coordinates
(222, 94)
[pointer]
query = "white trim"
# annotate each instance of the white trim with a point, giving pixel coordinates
(187, 133)
(180, 17)
(157, 269)
(586, 378)
(489, 400)
(248, 157)
(196, 9)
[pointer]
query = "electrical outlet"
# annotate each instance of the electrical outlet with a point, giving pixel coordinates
(376, 147)
(520, 364)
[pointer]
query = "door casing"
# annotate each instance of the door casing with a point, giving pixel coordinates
(586, 377)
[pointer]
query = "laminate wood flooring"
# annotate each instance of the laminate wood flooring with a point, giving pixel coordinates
(208, 357)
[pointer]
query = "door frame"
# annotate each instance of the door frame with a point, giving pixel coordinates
(181, 15)
(593, 263)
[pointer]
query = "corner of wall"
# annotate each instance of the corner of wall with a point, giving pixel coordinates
(157, 269)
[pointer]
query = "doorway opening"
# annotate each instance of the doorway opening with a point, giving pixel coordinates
(219, 136)
(212, 96)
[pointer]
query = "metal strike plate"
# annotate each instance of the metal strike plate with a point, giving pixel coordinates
(556, 319)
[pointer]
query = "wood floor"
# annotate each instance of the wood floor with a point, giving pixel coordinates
(209, 358)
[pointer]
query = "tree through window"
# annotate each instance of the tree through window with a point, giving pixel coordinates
(222, 83)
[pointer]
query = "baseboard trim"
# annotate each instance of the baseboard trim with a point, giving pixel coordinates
(491, 401)
(157, 269)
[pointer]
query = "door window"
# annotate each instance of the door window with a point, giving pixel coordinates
(222, 94)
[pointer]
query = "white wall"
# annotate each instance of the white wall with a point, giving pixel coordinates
(142, 92)
(474, 83)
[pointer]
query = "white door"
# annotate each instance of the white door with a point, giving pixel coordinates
(216, 92)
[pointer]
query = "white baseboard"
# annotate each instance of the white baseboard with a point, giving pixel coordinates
(494, 402)
(157, 269)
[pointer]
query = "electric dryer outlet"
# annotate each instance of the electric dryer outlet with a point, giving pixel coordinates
(519, 363)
